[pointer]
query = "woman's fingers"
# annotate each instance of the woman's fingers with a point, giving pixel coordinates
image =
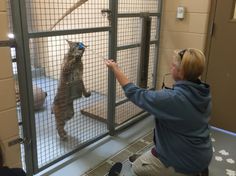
(107, 62)
(110, 63)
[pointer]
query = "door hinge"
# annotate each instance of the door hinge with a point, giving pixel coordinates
(8, 43)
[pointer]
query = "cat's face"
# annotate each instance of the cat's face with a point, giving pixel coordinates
(76, 49)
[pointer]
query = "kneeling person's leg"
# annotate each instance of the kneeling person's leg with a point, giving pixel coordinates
(147, 164)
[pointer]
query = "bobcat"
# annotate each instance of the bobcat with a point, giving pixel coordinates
(71, 71)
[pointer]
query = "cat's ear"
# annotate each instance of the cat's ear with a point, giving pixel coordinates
(70, 43)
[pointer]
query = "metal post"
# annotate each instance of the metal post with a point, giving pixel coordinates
(144, 51)
(157, 45)
(111, 108)
(20, 30)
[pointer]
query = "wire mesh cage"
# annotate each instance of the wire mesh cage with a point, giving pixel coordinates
(128, 41)
(51, 15)
(47, 55)
(137, 6)
(49, 52)
(67, 43)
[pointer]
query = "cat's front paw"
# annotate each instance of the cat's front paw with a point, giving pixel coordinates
(87, 94)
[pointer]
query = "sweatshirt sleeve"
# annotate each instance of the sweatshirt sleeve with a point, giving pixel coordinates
(151, 101)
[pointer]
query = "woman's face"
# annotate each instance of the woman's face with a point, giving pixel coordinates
(175, 69)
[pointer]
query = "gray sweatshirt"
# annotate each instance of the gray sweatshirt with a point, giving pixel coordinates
(182, 133)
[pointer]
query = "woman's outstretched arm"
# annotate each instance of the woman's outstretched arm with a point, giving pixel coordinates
(120, 76)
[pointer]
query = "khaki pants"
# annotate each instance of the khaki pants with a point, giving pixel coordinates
(149, 165)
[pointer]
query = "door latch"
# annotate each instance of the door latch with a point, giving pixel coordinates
(19, 141)
(8, 43)
(107, 13)
(16, 141)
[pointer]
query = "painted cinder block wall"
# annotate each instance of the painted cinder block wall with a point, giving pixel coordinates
(8, 118)
(178, 34)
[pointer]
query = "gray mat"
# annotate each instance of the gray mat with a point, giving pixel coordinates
(224, 158)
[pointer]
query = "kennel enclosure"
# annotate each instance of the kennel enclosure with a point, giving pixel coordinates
(124, 30)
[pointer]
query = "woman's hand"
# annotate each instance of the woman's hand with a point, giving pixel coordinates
(120, 76)
(111, 64)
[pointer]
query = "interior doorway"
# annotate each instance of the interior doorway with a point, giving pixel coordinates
(221, 64)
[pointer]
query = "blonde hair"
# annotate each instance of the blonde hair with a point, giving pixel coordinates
(192, 63)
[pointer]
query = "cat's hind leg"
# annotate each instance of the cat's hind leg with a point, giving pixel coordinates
(60, 129)
(61, 119)
(60, 123)
(69, 111)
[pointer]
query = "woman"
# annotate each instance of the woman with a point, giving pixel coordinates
(181, 135)
(5, 171)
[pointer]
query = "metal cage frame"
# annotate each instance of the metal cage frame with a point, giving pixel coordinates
(22, 37)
